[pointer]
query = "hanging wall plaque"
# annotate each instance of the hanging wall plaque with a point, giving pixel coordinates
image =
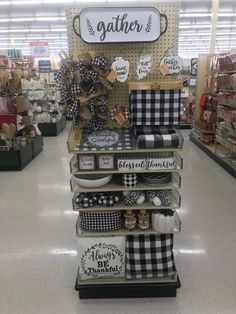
(113, 25)
(144, 66)
(121, 67)
(173, 62)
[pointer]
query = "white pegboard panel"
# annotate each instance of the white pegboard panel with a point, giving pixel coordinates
(130, 51)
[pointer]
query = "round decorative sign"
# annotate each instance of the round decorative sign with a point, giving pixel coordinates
(102, 259)
(173, 62)
(106, 138)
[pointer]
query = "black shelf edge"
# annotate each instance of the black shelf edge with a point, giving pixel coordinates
(217, 159)
(185, 126)
(128, 290)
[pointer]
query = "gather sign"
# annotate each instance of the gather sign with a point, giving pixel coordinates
(111, 25)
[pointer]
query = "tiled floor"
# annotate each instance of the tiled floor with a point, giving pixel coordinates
(38, 258)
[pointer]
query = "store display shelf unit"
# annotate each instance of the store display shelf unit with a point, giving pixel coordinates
(116, 287)
(13, 160)
(221, 150)
(176, 203)
(114, 186)
(178, 168)
(123, 231)
(76, 134)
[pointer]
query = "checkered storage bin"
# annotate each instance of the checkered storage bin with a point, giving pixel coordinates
(149, 256)
(100, 221)
(155, 107)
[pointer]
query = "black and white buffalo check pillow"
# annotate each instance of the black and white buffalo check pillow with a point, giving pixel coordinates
(149, 256)
(155, 107)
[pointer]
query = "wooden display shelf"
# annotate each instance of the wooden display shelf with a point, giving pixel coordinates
(179, 166)
(226, 104)
(176, 203)
(226, 129)
(226, 143)
(75, 137)
(123, 231)
(210, 150)
(154, 85)
(204, 131)
(113, 186)
(123, 288)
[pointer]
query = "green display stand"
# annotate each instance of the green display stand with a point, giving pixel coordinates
(17, 160)
(52, 129)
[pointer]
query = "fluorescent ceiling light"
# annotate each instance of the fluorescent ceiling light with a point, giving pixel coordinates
(194, 26)
(37, 30)
(31, 19)
(226, 14)
(194, 14)
(33, 38)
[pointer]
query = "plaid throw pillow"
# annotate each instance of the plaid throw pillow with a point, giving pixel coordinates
(155, 107)
(149, 256)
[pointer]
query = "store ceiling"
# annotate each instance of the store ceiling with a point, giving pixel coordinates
(23, 21)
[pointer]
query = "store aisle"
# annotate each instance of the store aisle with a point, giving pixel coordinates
(38, 258)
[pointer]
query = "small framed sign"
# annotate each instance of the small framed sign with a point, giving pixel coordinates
(106, 162)
(87, 162)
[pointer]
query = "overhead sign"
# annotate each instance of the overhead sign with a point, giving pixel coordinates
(39, 49)
(112, 25)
